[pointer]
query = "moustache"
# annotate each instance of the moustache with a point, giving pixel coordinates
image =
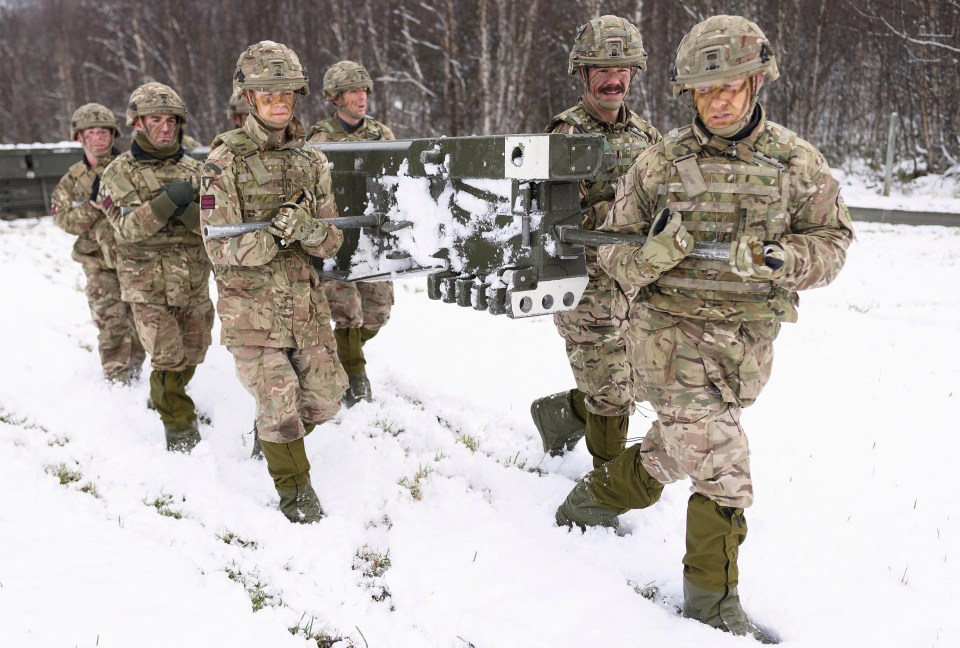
(612, 87)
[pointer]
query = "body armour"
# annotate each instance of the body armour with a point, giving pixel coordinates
(158, 261)
(331, 130)
(268, 295)
(771, 184)
(74, 213)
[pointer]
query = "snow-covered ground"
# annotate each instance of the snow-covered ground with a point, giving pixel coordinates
(440, 502)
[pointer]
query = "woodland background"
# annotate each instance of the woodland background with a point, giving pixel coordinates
(450, 67)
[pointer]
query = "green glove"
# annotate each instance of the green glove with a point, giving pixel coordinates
(175, 196)
(295, 223)
(666, 245)
(751, 258)
(190, 216)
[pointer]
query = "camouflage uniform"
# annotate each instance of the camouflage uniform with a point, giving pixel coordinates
(701, 332)
(276, 321)
(121, 353)
(594, 330)
(359, 309)
(164, 272)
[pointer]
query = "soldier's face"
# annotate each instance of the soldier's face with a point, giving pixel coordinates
(609, 83)
(353, 101)
(276, 107)
(723, 104)
(96, 140)
(160, 128)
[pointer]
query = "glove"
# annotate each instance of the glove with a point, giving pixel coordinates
(668, 244)
(95, 189)
(173, 199)
(295, 223)
(751, 258)
(190, 216)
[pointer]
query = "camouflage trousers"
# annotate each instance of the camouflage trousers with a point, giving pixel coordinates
(175, 337)
(360, 304)
(118, 343)
(698, 375)
(291, 387)
(595, 332)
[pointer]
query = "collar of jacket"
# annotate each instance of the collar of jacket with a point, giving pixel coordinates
(291, 137)
(623, 116)
(745, 138)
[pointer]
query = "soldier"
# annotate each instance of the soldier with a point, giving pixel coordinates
(75, 211)
(359, 309)
(606, 54)
(237, 109)
(276, 321)
(701, 332)
(149, 195)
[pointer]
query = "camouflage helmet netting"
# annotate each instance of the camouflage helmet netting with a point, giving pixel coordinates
(152, 98)
(93, 115)
(607, 41)
(271, 67)
(345, 75)
(719, 49)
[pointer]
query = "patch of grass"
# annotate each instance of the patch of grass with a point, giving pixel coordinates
(471, 442)
(230, 538)
(64, 473)
(388, 426)
(163, 504)
(413, 483)
(257, 590)
(321, 637)
(513, 461)
(58, 441)
(90, 489)
(373, 565)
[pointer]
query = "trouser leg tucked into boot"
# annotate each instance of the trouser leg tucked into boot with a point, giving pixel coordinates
(288, 466)
(606, 492)
(710, 572)
(560, 420)
(168, 394)
(606, 436)
(350, 351)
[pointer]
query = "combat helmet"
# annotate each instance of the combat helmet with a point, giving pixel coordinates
(93, 115)
(271, 67)
(152, 98)
(607, 41)
(237, 106)
(722, 48)
(345, 75)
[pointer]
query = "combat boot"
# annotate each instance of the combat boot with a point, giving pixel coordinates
(181, 438)
(559, 420)
(359, 390)
(582, 509)
(289, 467)
(710, 571)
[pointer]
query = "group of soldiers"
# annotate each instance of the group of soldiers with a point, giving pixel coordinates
(692, 337)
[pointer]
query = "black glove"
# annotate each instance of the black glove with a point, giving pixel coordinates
(95, 189)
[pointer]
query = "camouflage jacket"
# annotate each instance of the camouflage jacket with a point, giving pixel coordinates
(331, 130)
(771, 184)
(75, 213)
(158, 261)
(267, 295)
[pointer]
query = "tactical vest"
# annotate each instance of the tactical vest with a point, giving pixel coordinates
(270, 177)
(626, 141)
(149, 178)
(721, 196)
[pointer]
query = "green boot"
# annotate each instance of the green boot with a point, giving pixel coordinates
(289, 467)
(606, 436)
(606, 492)
(350, 352)
(559, 420)
(181, 438)
(710, 572)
